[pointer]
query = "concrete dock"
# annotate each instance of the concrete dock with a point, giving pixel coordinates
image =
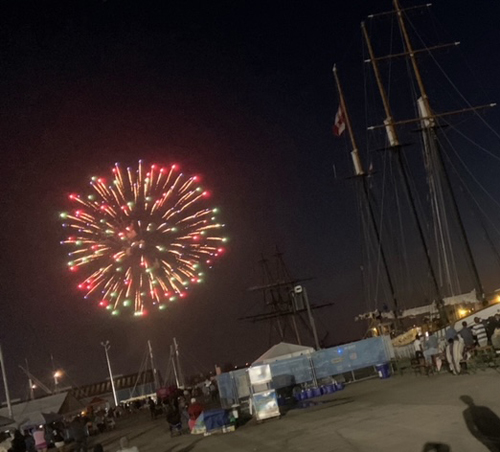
(402, 413)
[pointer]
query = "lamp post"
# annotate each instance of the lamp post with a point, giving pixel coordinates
(106, 348)
(5, 385)
(57, 374)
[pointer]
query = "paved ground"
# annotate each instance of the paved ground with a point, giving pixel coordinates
(397, 414)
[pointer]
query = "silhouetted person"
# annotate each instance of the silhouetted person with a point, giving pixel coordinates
(436, 447)
(30, 442)
(152, 407)
(467, 335)
(483, 424)
(18, 443)
(79, 434)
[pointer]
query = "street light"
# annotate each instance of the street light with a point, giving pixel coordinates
(57, 374)
(106, 348)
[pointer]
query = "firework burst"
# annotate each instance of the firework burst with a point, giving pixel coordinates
(143, 238)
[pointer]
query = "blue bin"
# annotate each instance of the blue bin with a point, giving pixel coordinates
(383, 370)
(309, 393)
(339, 386)
(303, 395)
(316, 392)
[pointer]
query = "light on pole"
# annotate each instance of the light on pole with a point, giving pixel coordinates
(106, 348)
(57, 374)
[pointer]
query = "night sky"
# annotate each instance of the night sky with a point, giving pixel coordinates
(240, 92)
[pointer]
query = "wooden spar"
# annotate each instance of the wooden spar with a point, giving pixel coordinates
(395, 145)
(426, 50)
(359, 172)
(432, 132)
(437, 115)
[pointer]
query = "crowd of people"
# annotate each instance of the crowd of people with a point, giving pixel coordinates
(181, 408)
(56, 435)
(456, 348)
(40, 439)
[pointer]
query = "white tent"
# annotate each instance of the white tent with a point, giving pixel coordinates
(283, 350)
(43, 410)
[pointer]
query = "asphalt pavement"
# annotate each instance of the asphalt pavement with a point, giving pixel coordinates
(442, 413)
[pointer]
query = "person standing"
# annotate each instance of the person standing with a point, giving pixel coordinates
(455, 354)
(194, 411)
(58, 440)
(466, 335)
(213, 391)
(29, 442)
(479, 332)
(40, 441)
(418, 347)
(18, 443)
(431, 348)
(5, 442)
(492, 324)
(79, 434)
(451, 333)
(152, 408)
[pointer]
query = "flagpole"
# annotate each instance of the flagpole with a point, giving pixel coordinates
(360, 173)
(358, 167)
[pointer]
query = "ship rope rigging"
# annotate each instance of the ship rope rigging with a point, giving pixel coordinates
(438, 217)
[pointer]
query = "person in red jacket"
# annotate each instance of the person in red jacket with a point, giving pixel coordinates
(194, 411)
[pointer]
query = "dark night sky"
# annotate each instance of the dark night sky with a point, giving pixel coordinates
(240, 92)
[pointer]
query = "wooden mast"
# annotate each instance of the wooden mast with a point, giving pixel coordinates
(360, 173)
(395, 146)
(430, 126)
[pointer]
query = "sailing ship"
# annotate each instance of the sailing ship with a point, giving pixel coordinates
(449, 286)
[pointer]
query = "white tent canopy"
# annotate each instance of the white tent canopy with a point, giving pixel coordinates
(42, 410)
(283, 350)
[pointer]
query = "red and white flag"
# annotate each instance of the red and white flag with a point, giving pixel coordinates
(339, 124)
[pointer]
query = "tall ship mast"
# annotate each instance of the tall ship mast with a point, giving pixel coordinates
(437, 228)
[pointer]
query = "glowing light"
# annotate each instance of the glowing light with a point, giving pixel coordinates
(141, 237)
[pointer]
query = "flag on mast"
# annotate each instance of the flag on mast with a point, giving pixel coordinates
(339, 124)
